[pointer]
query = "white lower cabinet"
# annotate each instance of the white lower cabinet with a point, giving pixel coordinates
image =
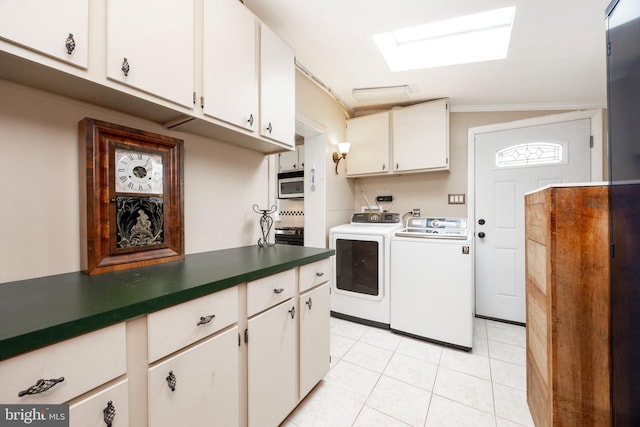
(106, 407)
(314, 337)
(164, 369)
(198, 386)
(272, 344)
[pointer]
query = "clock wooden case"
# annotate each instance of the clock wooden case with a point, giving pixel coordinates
(132, 185)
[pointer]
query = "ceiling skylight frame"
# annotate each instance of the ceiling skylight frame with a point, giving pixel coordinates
(473, 38)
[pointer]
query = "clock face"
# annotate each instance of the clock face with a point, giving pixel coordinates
(138, 172)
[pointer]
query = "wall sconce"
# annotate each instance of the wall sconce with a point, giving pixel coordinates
(343, 148)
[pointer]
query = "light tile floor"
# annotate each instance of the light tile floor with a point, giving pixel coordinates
(378, 378)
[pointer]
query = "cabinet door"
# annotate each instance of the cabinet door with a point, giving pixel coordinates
(288, 161)
(94, 411)
(369, 138)
(314, 337)
(421, 137)
(206, 385)
(150, 47)
(277, 88)
(291, 160)
(230, 72)
(272, 368)
(44, 26)
(300, 152)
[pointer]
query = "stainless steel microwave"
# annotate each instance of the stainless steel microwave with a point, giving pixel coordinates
(291, 185)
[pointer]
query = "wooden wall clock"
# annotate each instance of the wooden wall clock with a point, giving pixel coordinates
(132, 185)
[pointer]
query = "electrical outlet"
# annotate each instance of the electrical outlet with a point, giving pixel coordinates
(415, 212)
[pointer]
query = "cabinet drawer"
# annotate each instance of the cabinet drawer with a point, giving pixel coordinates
(314, 274)
(84, 362)
(269, 291)
(89, 412)
(176, 327)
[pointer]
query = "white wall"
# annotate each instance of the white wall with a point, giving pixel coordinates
(39, 184)
(316, 105)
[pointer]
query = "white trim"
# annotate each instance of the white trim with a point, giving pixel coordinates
(526, 107)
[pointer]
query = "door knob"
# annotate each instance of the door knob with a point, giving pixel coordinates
(481, 234)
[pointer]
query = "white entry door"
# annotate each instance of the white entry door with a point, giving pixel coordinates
(508, 164)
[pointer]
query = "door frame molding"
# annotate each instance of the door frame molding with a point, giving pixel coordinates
(596, 153)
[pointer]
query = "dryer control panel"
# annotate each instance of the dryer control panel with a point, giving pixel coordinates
(375, 218)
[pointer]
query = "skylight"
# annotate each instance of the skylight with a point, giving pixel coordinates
(472, 38)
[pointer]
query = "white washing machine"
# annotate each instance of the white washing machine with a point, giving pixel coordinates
(361, 274)
(432, 281)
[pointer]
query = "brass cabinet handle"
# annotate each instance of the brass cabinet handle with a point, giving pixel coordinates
(320, 274)
(292, 312)
(278, 290)
(309, 303)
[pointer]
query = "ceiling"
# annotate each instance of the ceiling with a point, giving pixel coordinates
(556, 56)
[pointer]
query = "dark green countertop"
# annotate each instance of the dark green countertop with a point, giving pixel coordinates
(42, 311)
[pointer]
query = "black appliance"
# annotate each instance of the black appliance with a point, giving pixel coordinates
(623, 100)
(290, 236)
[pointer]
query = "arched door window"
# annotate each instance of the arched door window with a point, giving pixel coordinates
(530, 154)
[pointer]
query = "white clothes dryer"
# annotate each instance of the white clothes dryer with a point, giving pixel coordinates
(361, 273)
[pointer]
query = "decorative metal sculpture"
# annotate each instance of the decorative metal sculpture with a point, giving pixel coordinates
(266, 222)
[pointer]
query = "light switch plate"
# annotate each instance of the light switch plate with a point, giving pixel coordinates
(456, 199)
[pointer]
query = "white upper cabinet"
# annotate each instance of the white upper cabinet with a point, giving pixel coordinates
(57, 29)
(277, 88)
(291, 160)
(230, 71)
(369, 138)
(150, 46)
(421, 137)
(404, 140)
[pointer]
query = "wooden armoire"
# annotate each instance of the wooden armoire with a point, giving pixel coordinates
(568, 314)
